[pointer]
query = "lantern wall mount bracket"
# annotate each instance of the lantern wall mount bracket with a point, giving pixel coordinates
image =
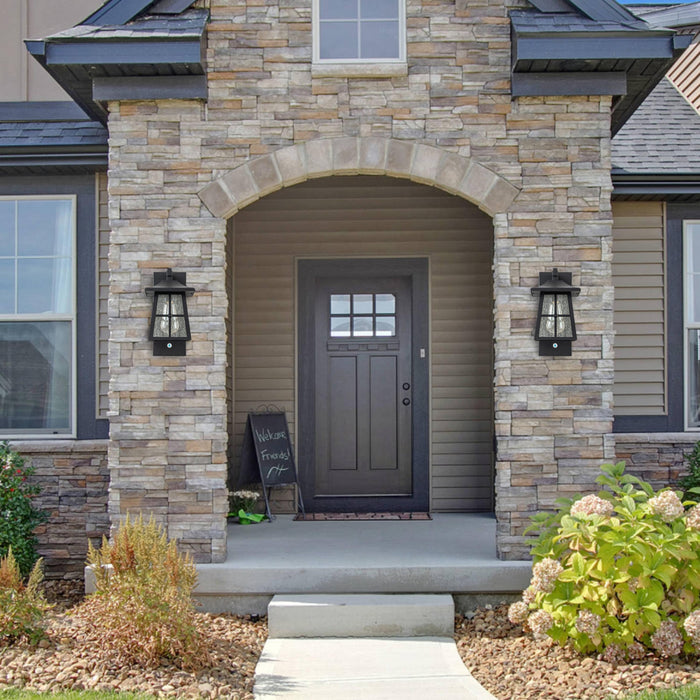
(555, 327)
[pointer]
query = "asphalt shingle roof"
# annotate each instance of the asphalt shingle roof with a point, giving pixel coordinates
(662, 136)
(535, 22)
(52, 134)
(190, 23)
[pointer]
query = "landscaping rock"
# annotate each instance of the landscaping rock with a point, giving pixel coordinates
(513, 666)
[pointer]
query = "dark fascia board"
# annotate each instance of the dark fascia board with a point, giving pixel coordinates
(96, 160)
(585, 83)
(65, 79)
(187, 51)
(599, 46)
(44, 111)
(64, 61)
(117, 12)
(660, 184)
(625, 107)
(185, 87)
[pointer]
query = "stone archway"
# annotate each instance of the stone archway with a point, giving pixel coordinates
(448, 171)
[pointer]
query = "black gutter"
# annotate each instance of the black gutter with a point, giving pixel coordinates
(655, 183)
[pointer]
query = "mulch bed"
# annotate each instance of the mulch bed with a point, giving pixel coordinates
(512, 666)
(68, 660)
(507, 662)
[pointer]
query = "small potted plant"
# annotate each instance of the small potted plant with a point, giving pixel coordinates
(242, 504)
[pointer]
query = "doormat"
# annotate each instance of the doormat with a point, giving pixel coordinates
(363, 516)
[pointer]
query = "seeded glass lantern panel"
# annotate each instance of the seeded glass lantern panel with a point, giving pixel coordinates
(555, 327)
(170, 324)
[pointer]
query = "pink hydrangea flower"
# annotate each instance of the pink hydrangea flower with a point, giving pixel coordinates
(667, 505)
(592, 505)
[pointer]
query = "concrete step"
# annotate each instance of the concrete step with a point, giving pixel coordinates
(361, 615)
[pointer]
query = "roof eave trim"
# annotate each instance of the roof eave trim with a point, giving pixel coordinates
(655, 183)
(597, 47)
(160, 51)
(583, 83)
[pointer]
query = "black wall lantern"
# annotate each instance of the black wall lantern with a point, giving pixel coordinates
(170, 324)
(555, 327)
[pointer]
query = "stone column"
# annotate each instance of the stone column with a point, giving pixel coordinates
(168, 437)
(553, 414)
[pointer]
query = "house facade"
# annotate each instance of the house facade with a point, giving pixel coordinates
(362, 196)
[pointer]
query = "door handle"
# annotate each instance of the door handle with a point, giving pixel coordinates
(406, 402)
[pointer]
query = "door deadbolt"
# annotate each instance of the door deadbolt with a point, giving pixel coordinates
(406, 386)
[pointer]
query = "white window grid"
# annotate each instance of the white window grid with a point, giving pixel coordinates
(401, 58)
(50, 316)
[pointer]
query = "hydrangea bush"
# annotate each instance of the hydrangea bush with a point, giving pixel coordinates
(617, 573)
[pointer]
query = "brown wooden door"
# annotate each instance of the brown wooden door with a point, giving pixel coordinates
(360, 424)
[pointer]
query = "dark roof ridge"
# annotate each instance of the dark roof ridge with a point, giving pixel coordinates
(116, 12)
(606, 10)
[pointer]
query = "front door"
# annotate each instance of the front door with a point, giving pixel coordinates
(363, 384)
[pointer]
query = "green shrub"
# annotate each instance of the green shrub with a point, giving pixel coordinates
(22, 606)
(18, 516)
(690, 483)
(617, 573)
(142, 610)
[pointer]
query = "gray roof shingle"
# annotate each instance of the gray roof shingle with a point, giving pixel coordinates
(662, 136)
(535, 22)
(14, 135)
(190, 23)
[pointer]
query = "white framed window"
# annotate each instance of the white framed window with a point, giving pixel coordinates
(359, 31)
(37, 316)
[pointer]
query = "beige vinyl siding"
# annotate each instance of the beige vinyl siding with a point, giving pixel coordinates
(685, 74)
(368, 216)
(23, 77)
(639, 311)
(102, 295)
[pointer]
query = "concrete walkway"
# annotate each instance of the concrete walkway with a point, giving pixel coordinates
(407, 668)
(355, 646)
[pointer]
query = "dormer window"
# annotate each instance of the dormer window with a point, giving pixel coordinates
(359, 31)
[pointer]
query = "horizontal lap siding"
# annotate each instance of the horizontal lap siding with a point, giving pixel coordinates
(363, 217)
(640, 313)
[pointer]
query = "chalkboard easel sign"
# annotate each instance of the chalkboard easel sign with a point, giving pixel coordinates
(267, 454)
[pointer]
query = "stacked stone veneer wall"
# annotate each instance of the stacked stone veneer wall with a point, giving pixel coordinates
(74, 482)
(658, 458)
(539, 166)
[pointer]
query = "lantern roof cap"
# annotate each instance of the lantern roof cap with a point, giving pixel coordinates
(169, 282)
(555, 282)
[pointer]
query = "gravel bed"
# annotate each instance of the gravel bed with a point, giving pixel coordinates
(67, 660)
(512, 666)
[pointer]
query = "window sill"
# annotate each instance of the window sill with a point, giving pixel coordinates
(359, 70)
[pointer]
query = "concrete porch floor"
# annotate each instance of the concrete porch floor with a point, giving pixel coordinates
(453, 553)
